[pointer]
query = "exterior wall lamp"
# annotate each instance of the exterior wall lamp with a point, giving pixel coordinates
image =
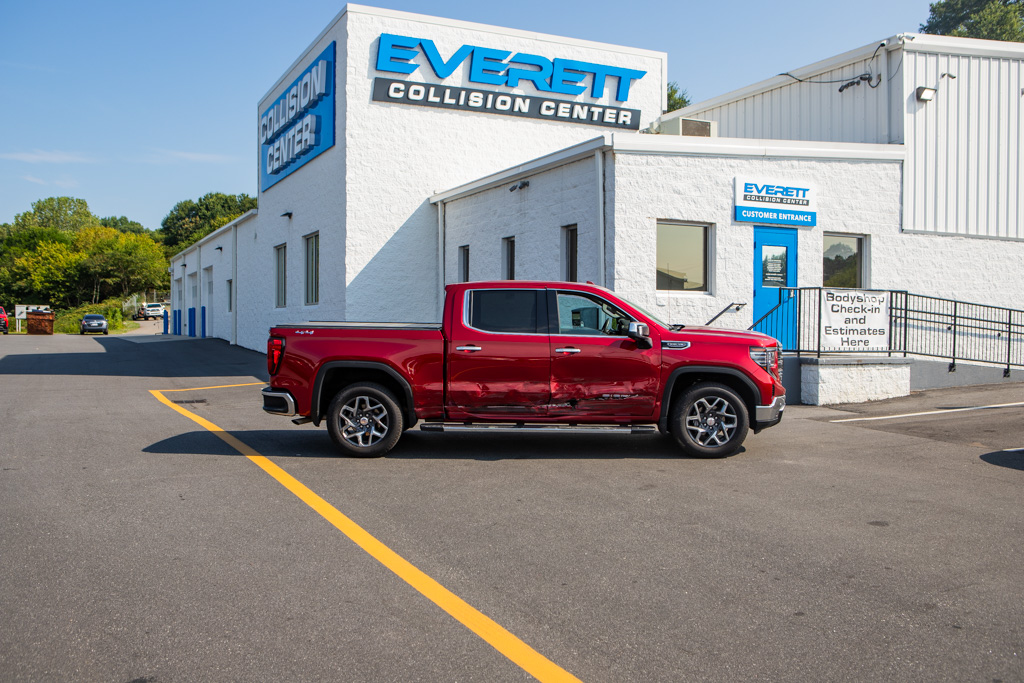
(288, 214)
(925, 94)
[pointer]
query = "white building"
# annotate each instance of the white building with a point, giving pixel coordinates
(401, 152)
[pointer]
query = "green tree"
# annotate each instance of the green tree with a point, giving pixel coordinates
(63, 213)
(987, 19)
(190, 221)
(122, 224)
(677, 99)
(52, 273)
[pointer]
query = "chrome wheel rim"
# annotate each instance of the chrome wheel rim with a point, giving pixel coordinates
(364, 421)
(711, 421)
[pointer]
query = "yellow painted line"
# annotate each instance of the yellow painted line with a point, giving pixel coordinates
(524, 656)
(222, 386)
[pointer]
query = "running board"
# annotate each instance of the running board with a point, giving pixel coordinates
(535, 427)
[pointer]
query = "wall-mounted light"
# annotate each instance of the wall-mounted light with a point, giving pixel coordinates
(520, 185)
(218, 248)
(183, 265)
(925, 94)
(287, 213)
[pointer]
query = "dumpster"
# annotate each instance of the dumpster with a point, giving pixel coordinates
(40, 322)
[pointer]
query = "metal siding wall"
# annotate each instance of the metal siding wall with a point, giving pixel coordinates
(963, 172)
(809, 111)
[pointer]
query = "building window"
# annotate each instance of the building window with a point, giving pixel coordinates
(569, 253)
(464, 263)
(231, 304)
(842, 261)
(313, 269)
(682, 257)
(281, 271)
(508, 257)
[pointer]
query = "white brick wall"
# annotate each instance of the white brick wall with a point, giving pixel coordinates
(854, 196)
(535, 215)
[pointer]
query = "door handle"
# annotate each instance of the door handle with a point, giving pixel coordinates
(568, 349)
(469, 349)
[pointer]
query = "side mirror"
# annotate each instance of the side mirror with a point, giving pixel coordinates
(641, 334)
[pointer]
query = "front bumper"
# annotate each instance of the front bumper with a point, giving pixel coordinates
(766, 416)
(278, 402)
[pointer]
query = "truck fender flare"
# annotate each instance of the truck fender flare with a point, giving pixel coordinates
(670, 384)
(410, 414)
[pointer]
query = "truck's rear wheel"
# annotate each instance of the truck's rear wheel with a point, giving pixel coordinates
(365, 420)
(709, 420)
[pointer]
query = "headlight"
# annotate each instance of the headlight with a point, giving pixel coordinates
(767, 358)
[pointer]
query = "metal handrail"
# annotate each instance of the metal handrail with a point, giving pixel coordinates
(737, 304)
(919, 325)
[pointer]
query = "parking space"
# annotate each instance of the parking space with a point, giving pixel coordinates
(824, 550)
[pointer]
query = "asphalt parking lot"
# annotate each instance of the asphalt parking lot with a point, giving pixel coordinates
(139, 544)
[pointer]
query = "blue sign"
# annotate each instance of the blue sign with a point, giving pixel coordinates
(775, 203)
(300, 124)
(499, 67)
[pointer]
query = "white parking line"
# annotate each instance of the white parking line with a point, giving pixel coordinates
(930, 412)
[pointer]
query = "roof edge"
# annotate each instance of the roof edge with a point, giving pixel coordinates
(251, 213)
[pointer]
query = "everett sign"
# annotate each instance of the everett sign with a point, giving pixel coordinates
(854, 320)
(775, 202)
(300, 124)
(488, 66)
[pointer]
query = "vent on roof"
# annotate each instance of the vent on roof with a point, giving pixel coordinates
(691, 127)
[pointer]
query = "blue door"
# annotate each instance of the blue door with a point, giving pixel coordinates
(775, 267)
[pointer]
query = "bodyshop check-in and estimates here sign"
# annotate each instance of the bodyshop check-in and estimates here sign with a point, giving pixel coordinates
(854, 320)
(299, 125)
(776, 202)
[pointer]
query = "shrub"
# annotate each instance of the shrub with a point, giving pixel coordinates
(67, 322)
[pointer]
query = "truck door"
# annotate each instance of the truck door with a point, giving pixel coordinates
(596, 370)
(499, 361)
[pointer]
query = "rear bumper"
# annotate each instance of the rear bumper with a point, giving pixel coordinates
(278, 402)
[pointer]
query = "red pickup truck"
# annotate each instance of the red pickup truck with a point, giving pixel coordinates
(526, 355)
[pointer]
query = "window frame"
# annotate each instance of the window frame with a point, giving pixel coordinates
(543, 319)
(554, 325)
(312, 298)
(464, 263)
(508, 257)
(570, 253)
(863, 274)
(709, 232)
(281, 275)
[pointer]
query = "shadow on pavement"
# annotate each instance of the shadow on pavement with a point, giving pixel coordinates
(315, 443)
(121, 358)
(1014, 460)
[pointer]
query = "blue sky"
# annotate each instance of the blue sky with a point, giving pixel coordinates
(135, 106)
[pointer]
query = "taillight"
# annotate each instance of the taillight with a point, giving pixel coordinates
(275, 352)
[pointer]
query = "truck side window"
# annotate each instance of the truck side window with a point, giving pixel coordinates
(578, 314)
(504, 311)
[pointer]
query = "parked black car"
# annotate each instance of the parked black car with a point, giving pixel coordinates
(93, 322)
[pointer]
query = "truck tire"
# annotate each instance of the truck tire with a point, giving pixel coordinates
(709, 420)
(365, 420)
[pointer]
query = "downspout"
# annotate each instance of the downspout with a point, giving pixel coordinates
(440, 260)
(199, 282)
(599, 162)
(234, 285)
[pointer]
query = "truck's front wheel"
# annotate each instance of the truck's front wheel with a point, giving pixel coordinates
(709, 420)
(365, 420)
